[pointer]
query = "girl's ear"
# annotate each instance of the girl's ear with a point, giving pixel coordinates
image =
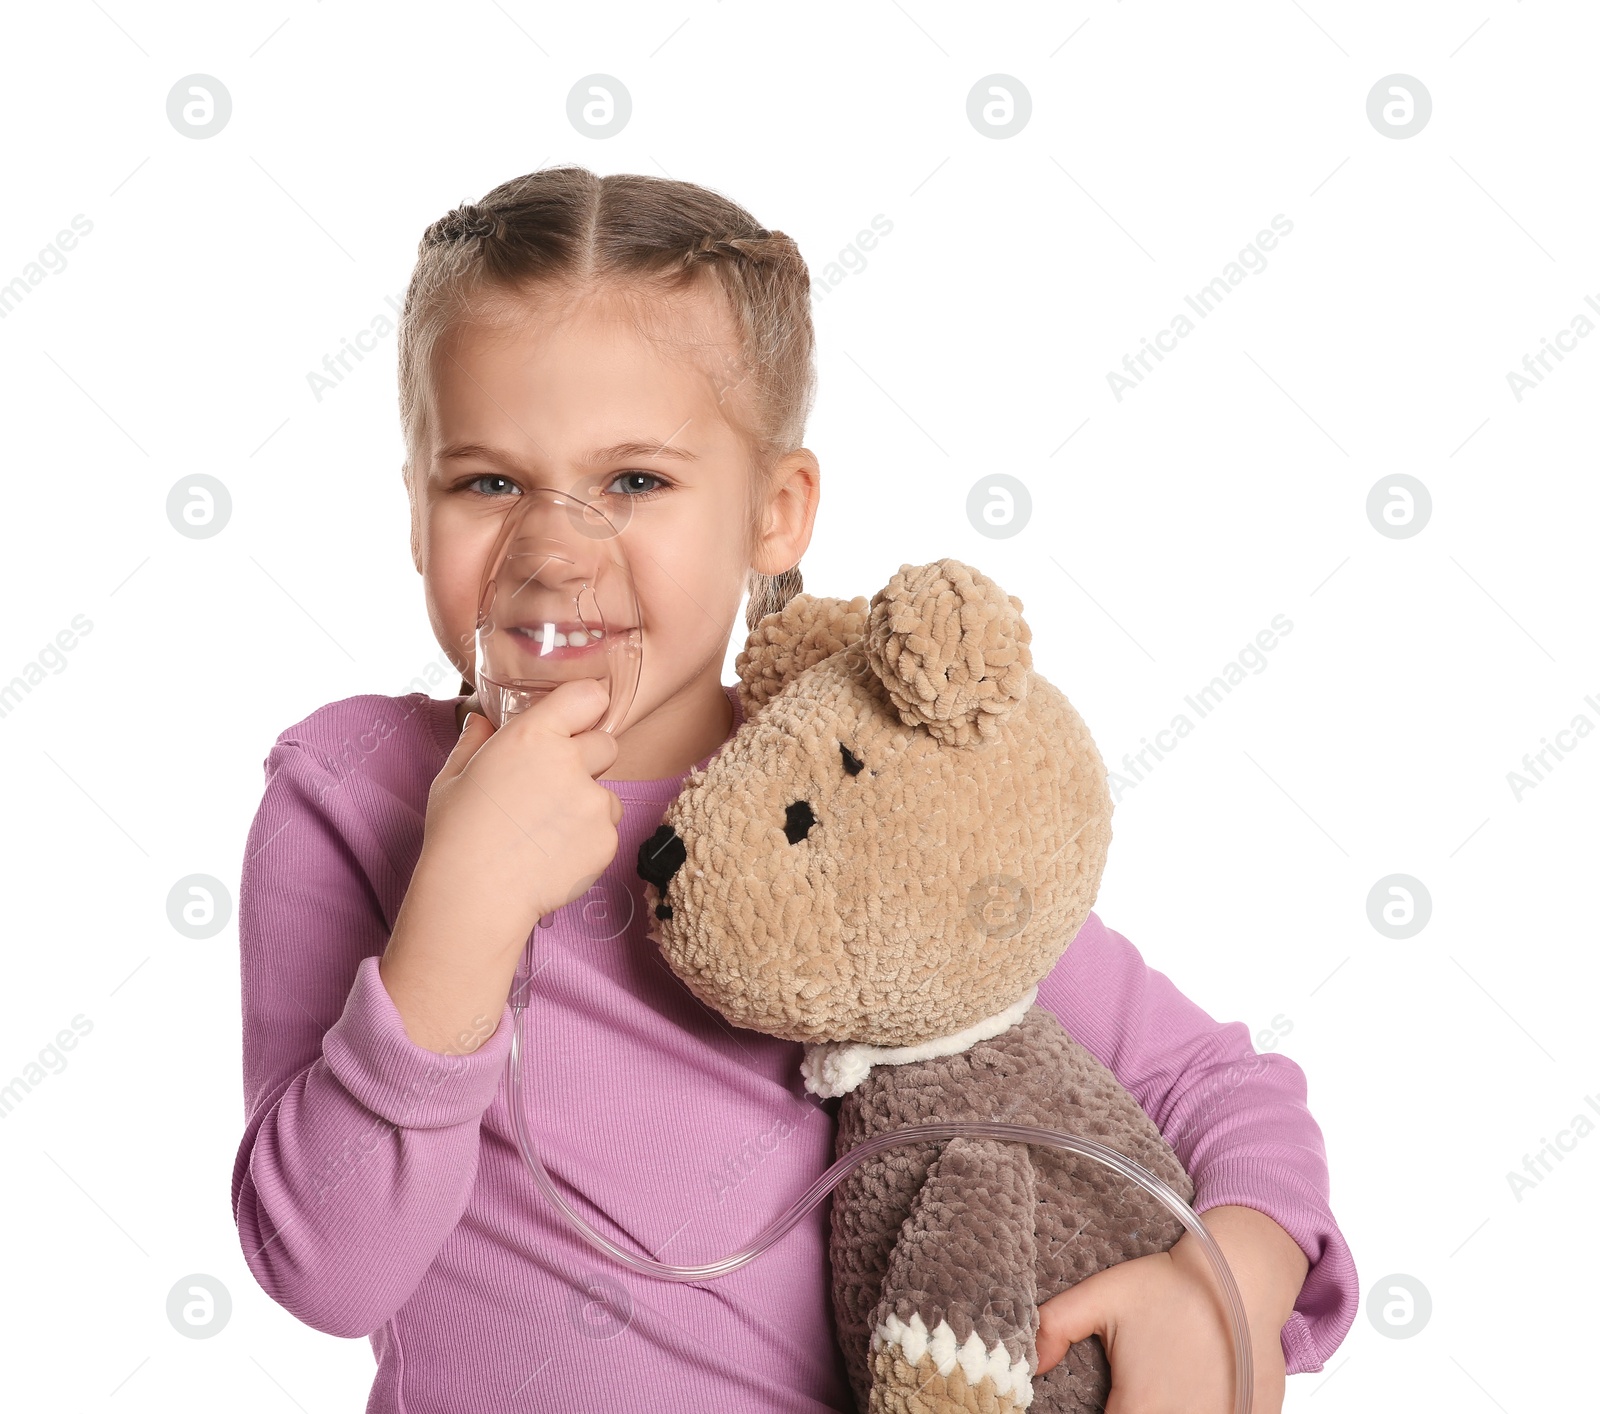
(794, 491)
(783, 645)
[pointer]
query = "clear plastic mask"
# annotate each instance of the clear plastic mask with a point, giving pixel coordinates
(556, 603)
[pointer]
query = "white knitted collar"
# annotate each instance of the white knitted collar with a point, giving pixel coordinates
(837, 1067)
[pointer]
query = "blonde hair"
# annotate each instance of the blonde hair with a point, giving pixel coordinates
(566, 230)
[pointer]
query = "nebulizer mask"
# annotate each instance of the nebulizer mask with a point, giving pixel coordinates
(557, 603)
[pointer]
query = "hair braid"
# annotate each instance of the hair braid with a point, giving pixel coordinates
(469, 221)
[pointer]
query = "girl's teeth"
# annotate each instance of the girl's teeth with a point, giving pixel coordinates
(576, 639)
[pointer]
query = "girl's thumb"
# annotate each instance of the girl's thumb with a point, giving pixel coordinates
(475, 730)
(1066, 1318)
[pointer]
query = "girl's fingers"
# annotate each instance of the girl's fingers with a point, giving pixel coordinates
(569, 708)
(1071, 1315)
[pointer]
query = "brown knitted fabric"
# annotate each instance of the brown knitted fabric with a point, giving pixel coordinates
(979, 1233)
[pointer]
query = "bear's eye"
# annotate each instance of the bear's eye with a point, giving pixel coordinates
(852, 762)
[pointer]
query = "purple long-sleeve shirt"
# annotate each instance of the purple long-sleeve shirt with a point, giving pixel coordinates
(378, 1189)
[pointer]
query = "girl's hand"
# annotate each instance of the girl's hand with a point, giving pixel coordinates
(516, 817)
(516, 826)
(1162, 1322)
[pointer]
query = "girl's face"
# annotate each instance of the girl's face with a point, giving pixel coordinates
(576, 400)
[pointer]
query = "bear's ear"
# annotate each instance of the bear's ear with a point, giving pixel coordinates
(952, 650)
(784, 644)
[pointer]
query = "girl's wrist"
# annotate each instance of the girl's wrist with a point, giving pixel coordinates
(1267, 1264)
(441, 890)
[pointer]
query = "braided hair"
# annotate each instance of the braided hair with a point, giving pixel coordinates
(467, 222)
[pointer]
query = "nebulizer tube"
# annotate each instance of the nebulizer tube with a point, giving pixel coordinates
(558, 603)
(1243, 1368)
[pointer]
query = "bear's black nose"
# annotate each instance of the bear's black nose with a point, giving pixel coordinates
(660, 857)
(797, 821)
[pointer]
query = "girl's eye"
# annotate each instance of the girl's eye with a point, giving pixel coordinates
(640, 493)
(476, 483)
(494, 485)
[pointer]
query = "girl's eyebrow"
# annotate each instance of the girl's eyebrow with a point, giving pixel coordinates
(621, 451)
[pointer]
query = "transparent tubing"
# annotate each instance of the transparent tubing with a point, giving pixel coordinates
(1243, 1368)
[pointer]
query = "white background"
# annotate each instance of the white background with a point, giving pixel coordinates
(1167, 529)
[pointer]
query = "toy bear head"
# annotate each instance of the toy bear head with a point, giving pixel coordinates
(904, 834)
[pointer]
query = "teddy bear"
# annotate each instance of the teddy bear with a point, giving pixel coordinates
(902, 838)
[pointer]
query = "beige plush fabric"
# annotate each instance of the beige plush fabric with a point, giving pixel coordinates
(899, 842)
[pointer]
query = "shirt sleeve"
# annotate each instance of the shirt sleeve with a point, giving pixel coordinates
(360, 1147)
(1236, 1119)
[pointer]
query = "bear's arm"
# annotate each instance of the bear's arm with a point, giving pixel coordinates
(958, 1308)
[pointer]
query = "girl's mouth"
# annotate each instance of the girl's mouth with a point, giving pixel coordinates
(556, 643)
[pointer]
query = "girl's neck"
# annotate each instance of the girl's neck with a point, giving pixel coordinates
(685, 729)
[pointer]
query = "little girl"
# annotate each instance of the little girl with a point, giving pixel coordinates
(647, 342)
